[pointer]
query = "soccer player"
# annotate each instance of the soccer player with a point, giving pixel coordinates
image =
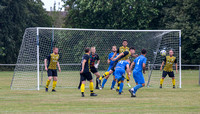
(94, 57)
(140, 64)
(120, 72)
(85, 73)
(121, 49)
(51, 68)
(168, 70)
(121, 56)
(114, 49)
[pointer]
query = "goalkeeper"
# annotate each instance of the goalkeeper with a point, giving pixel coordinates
(168, 69)
(51, 68)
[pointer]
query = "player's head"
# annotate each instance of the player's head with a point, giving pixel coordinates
(125, 43)
(55, 50)
(114, 48)
(171, 52)
(87, 50)
(93, 49)
(132, 50)
(144, 52)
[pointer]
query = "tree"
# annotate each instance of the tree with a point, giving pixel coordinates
(185, 15)
(15, 17)
(118, 14)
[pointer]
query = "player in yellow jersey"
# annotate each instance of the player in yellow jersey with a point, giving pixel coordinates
(51, 69)
(168, 68)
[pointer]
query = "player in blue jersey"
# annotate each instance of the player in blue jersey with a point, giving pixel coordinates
(120, 69)
(140, 64)
(114, 49)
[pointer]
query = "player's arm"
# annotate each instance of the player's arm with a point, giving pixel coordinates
(45, 62)
(144, 67)
(121, 54)
(176, 65)
(132, 64)
(98, 62)
(128, 70)
(108, 61)
(163, 63)
(58, 64)
(83, 65)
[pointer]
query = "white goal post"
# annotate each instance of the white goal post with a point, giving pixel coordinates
(37, 43)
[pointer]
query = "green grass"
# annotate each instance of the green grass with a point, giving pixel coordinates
(66, 100)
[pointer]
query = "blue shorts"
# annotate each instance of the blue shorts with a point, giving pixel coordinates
(138, 77)
(119, 74)
(109, 68)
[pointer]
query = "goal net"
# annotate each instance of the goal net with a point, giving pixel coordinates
(37, 44)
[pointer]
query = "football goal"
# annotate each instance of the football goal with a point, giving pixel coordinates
(37, 44)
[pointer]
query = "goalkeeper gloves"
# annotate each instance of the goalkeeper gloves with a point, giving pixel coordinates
(96, 65)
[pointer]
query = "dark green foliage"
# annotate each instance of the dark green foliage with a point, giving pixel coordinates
(141, 14)
(15, 17)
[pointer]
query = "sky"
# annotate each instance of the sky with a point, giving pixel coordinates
(50, 3)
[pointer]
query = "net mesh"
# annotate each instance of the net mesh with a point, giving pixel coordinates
(71, 44)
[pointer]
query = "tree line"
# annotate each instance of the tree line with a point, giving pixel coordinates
(17, 15)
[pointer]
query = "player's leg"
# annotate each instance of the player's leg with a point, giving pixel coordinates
(83, 79)
(121, 85)
(127, 79)
(79, 86)
(171, 75)
(97, 81)
(164, 74)
(55, 75)
(55, 78)
(106, 78)
(89, 78)
(118, 85)
(49, 73)
(113, 82)
(141, 83)
(109, 72)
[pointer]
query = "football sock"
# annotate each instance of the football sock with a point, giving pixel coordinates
(127, 78)
(54, 84)
(137, 87)
(82, 88)
(91, 87)
(113, 84)
(173, 82)
(161, 81)
(47, 83)
(121, 87)
(97, 82)
(118, 85)
(104, 82)
(104, 75)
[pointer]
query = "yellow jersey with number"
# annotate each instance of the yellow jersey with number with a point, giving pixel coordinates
(169, 61)
(123, 49)
(52, 61)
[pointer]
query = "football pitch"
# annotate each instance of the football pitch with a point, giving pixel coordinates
(69, 100)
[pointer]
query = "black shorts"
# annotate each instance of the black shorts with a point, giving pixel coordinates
(93, 70)
(51, 72)
(170, 74)
(85, 76)
(114, 65)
